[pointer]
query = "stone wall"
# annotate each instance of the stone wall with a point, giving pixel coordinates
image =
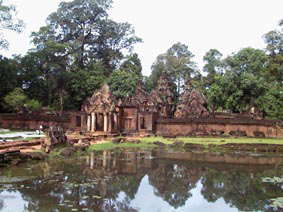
(129, 119)
(218, 127)
(69, 120)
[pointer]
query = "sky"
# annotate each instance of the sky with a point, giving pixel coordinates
(227, 25)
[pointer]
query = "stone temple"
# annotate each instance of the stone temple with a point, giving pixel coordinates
(156, 113)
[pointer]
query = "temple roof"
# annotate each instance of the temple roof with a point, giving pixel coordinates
(141, 99)
(192, 104)
(101, 101)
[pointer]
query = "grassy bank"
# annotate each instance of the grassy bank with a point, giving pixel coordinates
(107, 145)
(217, 141)
(148, 142)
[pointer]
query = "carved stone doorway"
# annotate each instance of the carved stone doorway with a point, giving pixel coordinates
(100, 122)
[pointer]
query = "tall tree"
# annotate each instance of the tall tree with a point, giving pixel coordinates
(177, 63)
(247, 60)
(8, 21)
(9, 79)
(132, 64)
(123, 82)
(82, 31)
(243, 82)
(78, 49)
(213, 66)
(213, 63)
(274, 48)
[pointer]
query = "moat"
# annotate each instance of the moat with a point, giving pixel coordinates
(134, 180)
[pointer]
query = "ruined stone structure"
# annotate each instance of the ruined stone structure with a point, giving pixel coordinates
(155, 113)
(192, 104)
(109, 115)
(101, 110)
(163, 97)
(55, 135)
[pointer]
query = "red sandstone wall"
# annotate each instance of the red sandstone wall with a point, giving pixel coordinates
(129, 120)
(186, 129)
(33, 121)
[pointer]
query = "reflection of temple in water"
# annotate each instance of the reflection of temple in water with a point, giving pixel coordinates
(126, 162)
(111, 174)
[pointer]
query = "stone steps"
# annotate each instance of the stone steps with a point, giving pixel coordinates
(19, 145)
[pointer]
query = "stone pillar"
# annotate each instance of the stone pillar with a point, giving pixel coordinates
(115, 121)
(105, 123)
(92, 122)
(110, 122)
(88, 123)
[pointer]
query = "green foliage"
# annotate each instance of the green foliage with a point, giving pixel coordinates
(242, 84)
(214, 94)
(274, 47)
(213, 62)
(82, 32)
(75, 53)
(177, 63)
(123, 83)
(272, 101)
(214, 68)
(33, 105)
(132, 64)
(82, 83)
(247, 60)
(108, 145)
(9, 79)
(8, 21)
(16, 99)
(274, 42)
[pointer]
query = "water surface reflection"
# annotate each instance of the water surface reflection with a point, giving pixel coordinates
(135, 181)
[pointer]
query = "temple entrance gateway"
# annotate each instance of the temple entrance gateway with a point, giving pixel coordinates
(99, 122)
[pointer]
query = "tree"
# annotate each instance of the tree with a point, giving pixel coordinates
(271, 103)
(132, 64)
(9, 78)
(177, 63)
(242, 84)
(274, 48)
(8, 21)
(247, 60)
(81, 31)
(213, 63)
(41, 76)
(16, 99)
(123, 82)
(76, 51)
(213, 66)
(82, 83)
(215, 94)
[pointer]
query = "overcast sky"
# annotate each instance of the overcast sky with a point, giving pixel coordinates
(227, 25)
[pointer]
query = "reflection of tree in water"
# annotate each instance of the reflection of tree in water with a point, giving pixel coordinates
(51, 191)
(241, 189)
(82, 185)
(173, 182)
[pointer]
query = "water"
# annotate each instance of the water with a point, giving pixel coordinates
(137, 181)
(7, 135)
